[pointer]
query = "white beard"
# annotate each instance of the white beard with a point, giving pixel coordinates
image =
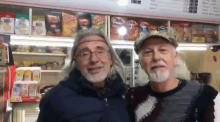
(159, 76)
(96, 78)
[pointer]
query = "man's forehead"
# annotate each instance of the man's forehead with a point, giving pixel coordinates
(92, 44)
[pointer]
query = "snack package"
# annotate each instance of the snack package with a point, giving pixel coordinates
(24, 90)
(211, 33)
(4, 54)
(69, 24)
(17, 89)
(84, 21)
(133, 29)
(181, 31)
(53, 23)
(198, 33)
(36, 75)
(152, 26)
(144, 28)
(49, 65)
(99, 22)
(118, 28)
(27, 75)
(7, 23)
(32, 90)
(56, 50)
(22, 24)
(57, 65)
(39, 27)
(19, 74)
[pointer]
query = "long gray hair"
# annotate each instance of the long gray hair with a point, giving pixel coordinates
(116, 67)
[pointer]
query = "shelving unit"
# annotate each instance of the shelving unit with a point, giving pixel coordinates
(50, 71)
(38, 54)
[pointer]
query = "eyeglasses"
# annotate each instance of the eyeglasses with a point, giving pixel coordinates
(87, 54)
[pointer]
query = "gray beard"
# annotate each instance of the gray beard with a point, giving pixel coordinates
(158, 77)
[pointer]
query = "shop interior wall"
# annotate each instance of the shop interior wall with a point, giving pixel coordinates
(202, 61)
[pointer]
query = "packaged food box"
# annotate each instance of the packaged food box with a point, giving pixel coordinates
(99, 22)
(24, 90)
(53, 23)
(33, 90)
(36, 74)
(39, 26)
(27, 75)
(17, 89)
(22, 24)
(84, 21)
(133, 29)
(69, 24)
(19, 74)
(7, 23)
(118, 28)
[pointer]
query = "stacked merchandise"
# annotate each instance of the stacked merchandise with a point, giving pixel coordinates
(53, 23)
(181, 31)
(26, 85)
(130, 28)
(43, 64)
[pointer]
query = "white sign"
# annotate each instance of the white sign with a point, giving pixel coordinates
(207, 11)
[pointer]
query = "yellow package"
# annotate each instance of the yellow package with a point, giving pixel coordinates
(19, 74)
(27, 63)
(69, 24)
(198, 39)
(36, 75)
(27, 75)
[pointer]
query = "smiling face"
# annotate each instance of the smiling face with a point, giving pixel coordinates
(158, 58)
(93, 60)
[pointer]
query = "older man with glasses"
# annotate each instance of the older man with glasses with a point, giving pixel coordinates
(92, 91)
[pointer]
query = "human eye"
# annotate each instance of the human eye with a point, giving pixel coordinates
(84, 53)
(100, 51)
(147, 52)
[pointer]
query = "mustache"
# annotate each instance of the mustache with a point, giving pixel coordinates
(158, 64)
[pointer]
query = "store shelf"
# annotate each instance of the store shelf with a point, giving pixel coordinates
(50, 71)
(38, 54)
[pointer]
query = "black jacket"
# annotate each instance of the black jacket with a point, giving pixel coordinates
(75, 100)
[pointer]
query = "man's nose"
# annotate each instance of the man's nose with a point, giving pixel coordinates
(156, 56)
(94, 58)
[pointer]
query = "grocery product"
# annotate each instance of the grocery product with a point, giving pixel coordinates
(22, 24)
(7, 23)
(99, 22)
(36, 74)
(32, 90)
(19, 74)
(133, 30)
(69, 24)
(4, 51)
(53, 23)
(27, 75)
(39, 27)
(24, 90)
(118, 28)
(84, 21)
(198, 33)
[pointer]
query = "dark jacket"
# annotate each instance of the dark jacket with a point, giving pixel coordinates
(75, 100)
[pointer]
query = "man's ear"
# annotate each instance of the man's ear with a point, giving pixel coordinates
(141, 65)
(176, 58)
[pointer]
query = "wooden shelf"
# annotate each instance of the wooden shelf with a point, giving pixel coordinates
(38, 54)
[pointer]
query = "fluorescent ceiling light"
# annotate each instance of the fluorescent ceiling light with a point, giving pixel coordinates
(192, 48)
(41, 41)
(192, 45)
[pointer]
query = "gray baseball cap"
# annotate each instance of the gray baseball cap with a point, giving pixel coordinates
(166, 36)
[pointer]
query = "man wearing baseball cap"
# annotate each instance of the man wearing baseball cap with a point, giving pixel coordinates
(167, 98)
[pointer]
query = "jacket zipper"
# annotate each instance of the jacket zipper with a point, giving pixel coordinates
(106, 100)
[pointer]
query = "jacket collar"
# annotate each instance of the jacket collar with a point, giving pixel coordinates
(79, 84)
